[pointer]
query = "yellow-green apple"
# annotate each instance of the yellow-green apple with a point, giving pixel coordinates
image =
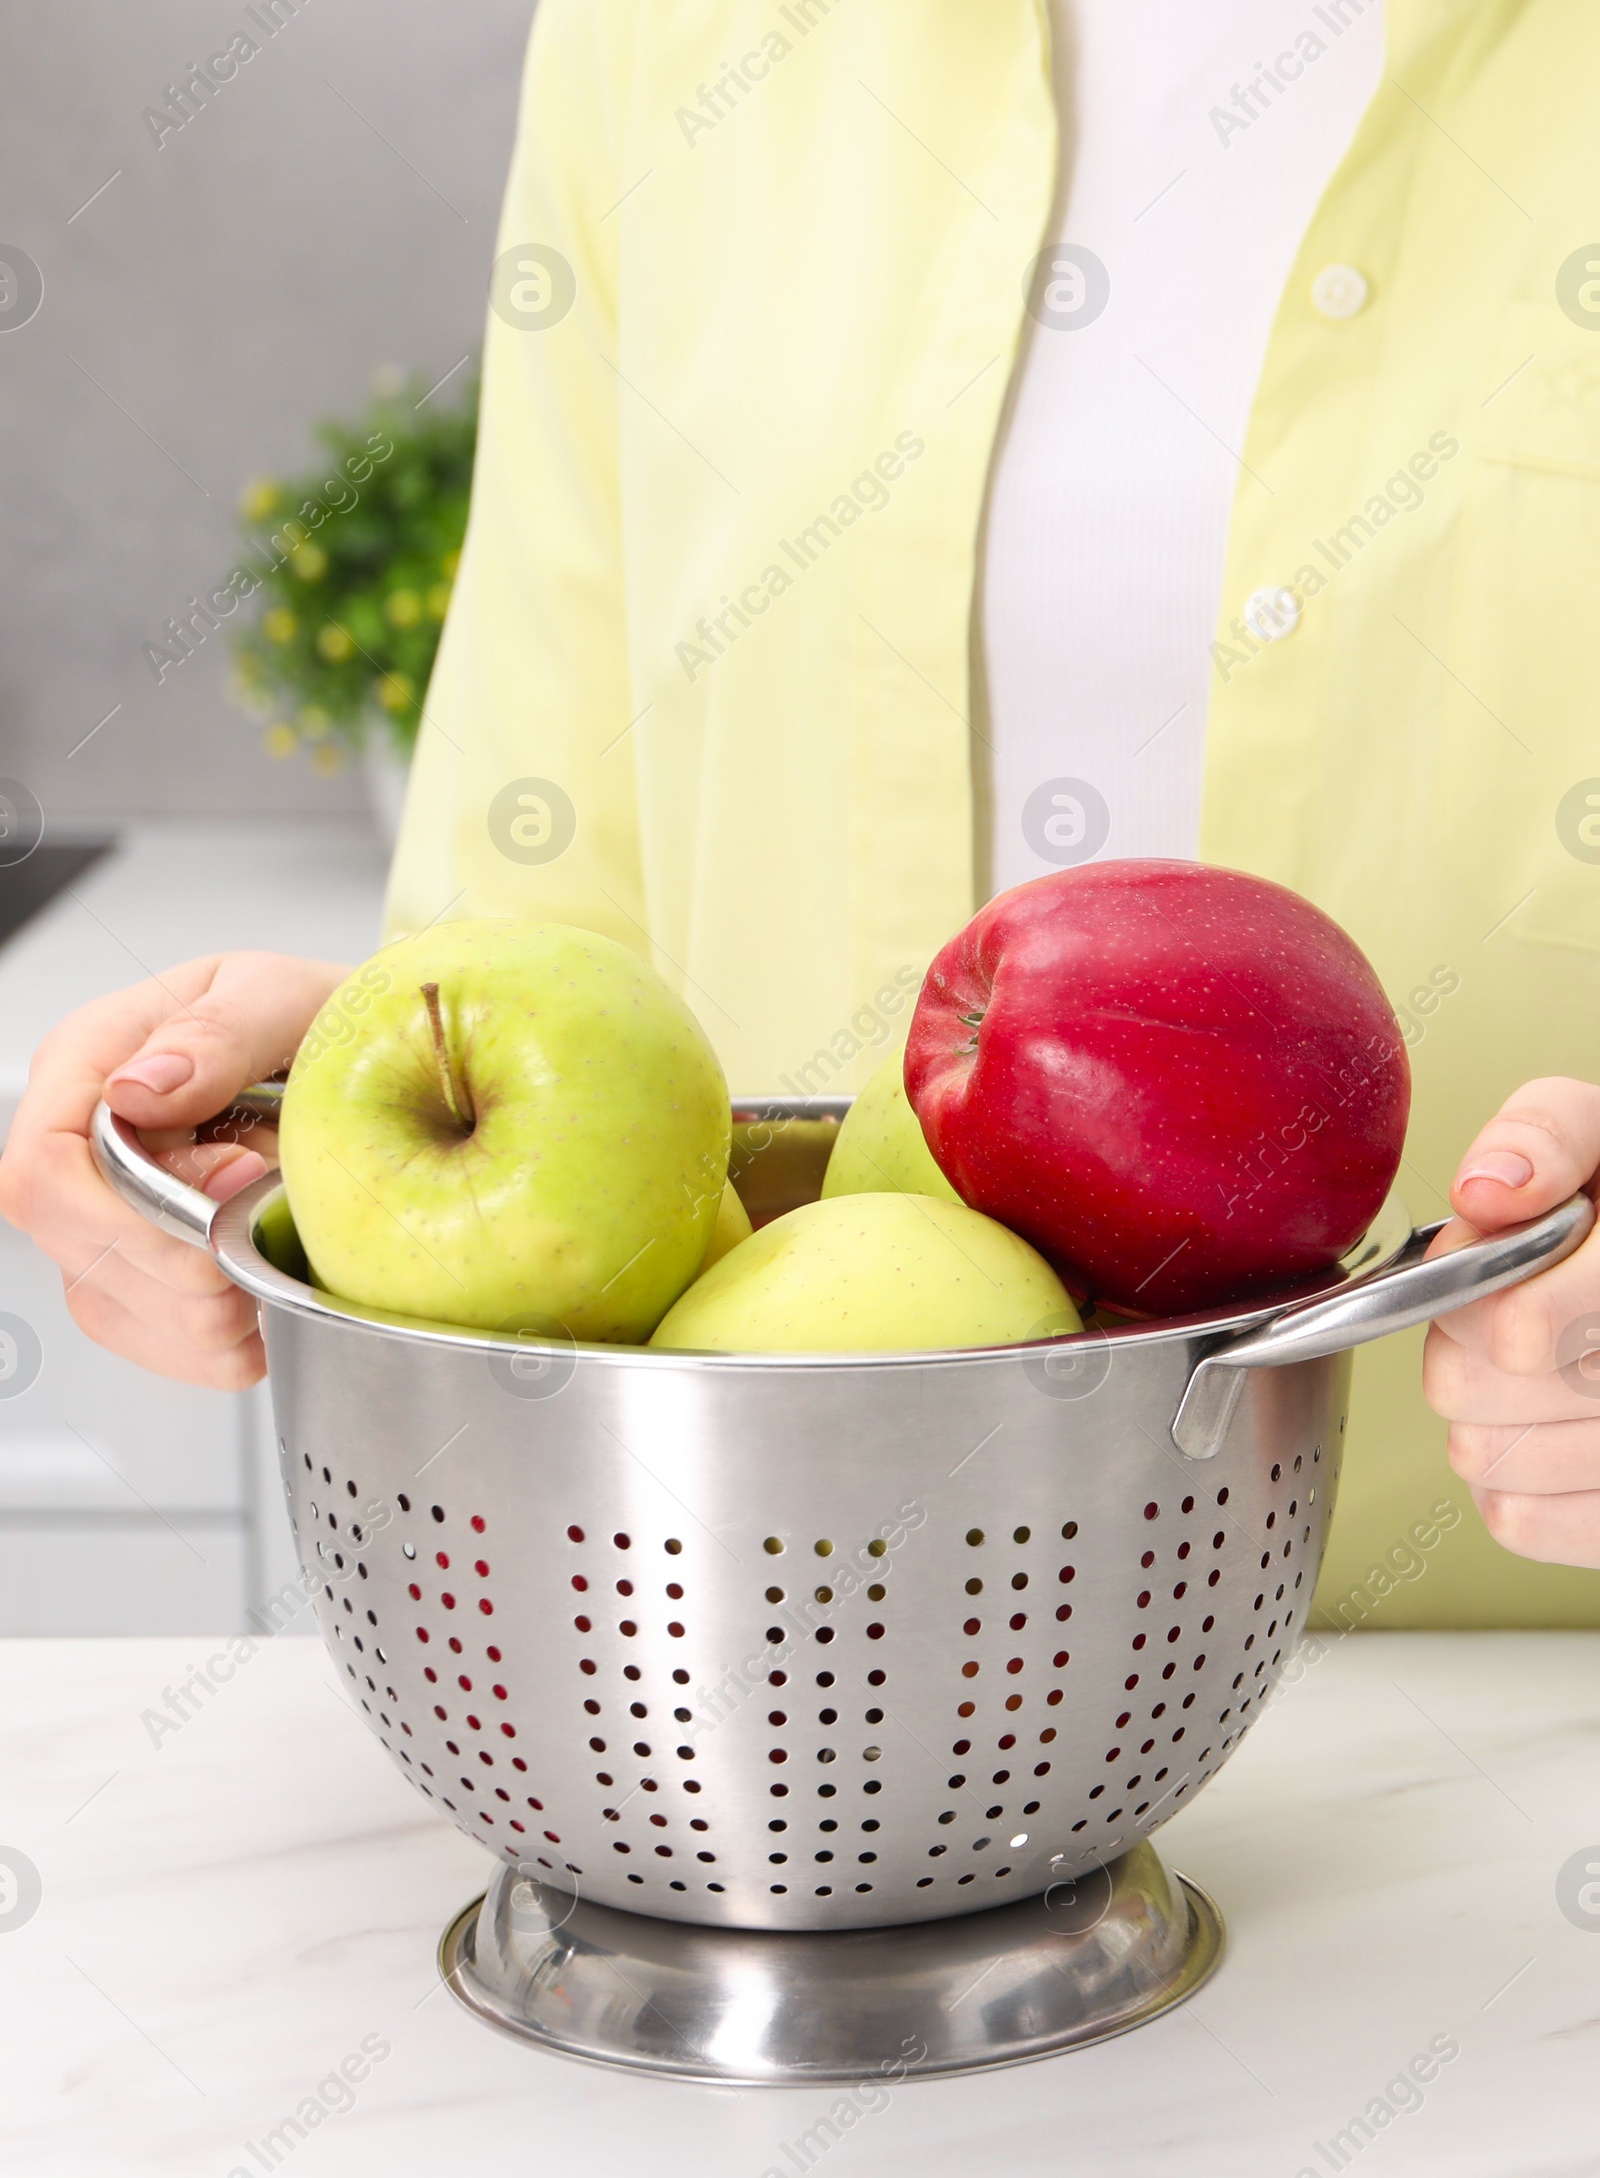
(872, 1274)
(1184, 1085)
(507, 1121)
(881, 1149)
(732, 1225)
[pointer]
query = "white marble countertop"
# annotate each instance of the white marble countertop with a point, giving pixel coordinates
(228, 1916)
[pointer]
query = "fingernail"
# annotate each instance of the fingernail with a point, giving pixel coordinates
(162, 1071)
(237, 1173)
(1509, 1167)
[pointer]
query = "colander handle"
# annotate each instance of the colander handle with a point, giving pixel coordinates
(1410, 1291)
(157, 1194)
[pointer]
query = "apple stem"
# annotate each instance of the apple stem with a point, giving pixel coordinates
(454, 1093)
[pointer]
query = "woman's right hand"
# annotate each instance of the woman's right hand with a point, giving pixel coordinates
(166, 1055)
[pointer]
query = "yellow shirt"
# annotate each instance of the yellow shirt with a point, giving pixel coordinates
(708, 681)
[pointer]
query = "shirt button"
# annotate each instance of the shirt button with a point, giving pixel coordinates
(1339, 291)
(1272, 614)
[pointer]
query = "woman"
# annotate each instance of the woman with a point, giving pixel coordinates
(926, 445)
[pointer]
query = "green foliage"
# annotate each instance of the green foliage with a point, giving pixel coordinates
(351, 566)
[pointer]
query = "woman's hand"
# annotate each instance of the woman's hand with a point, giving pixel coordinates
(1509, 1373)
(166, 1055)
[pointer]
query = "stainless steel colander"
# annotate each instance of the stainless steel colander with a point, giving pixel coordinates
(813, 1642)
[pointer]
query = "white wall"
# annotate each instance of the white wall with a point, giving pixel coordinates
(332, 212)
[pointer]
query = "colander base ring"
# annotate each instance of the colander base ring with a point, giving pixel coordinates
(1075, 1965)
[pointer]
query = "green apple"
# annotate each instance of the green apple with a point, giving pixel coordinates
(880, 1149)
(732, 1226)
(500, 1121)
(872, 1274)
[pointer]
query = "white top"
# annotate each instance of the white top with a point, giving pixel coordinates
(1196, 142)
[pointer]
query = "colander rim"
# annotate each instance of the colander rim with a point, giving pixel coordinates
(234, 1244)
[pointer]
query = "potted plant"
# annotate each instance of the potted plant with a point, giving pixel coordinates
(351, 566)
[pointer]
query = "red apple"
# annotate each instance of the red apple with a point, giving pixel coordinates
(1183, 1085)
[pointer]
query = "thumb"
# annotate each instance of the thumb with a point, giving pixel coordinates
(245, 1024)
(1540, 1147)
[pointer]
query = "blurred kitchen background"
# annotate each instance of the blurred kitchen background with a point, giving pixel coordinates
(318, 233)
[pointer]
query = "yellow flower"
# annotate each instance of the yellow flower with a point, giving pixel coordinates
(313, 722)
(295, 534)
(309, 562)
(280, 740)
(404, 608)
(395, 691)
(278, 625)
(439, 600)
(335, 643)
(327, 758)
(258, 499)
(449, 564)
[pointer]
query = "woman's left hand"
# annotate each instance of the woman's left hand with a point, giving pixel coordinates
(1509, 1374)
